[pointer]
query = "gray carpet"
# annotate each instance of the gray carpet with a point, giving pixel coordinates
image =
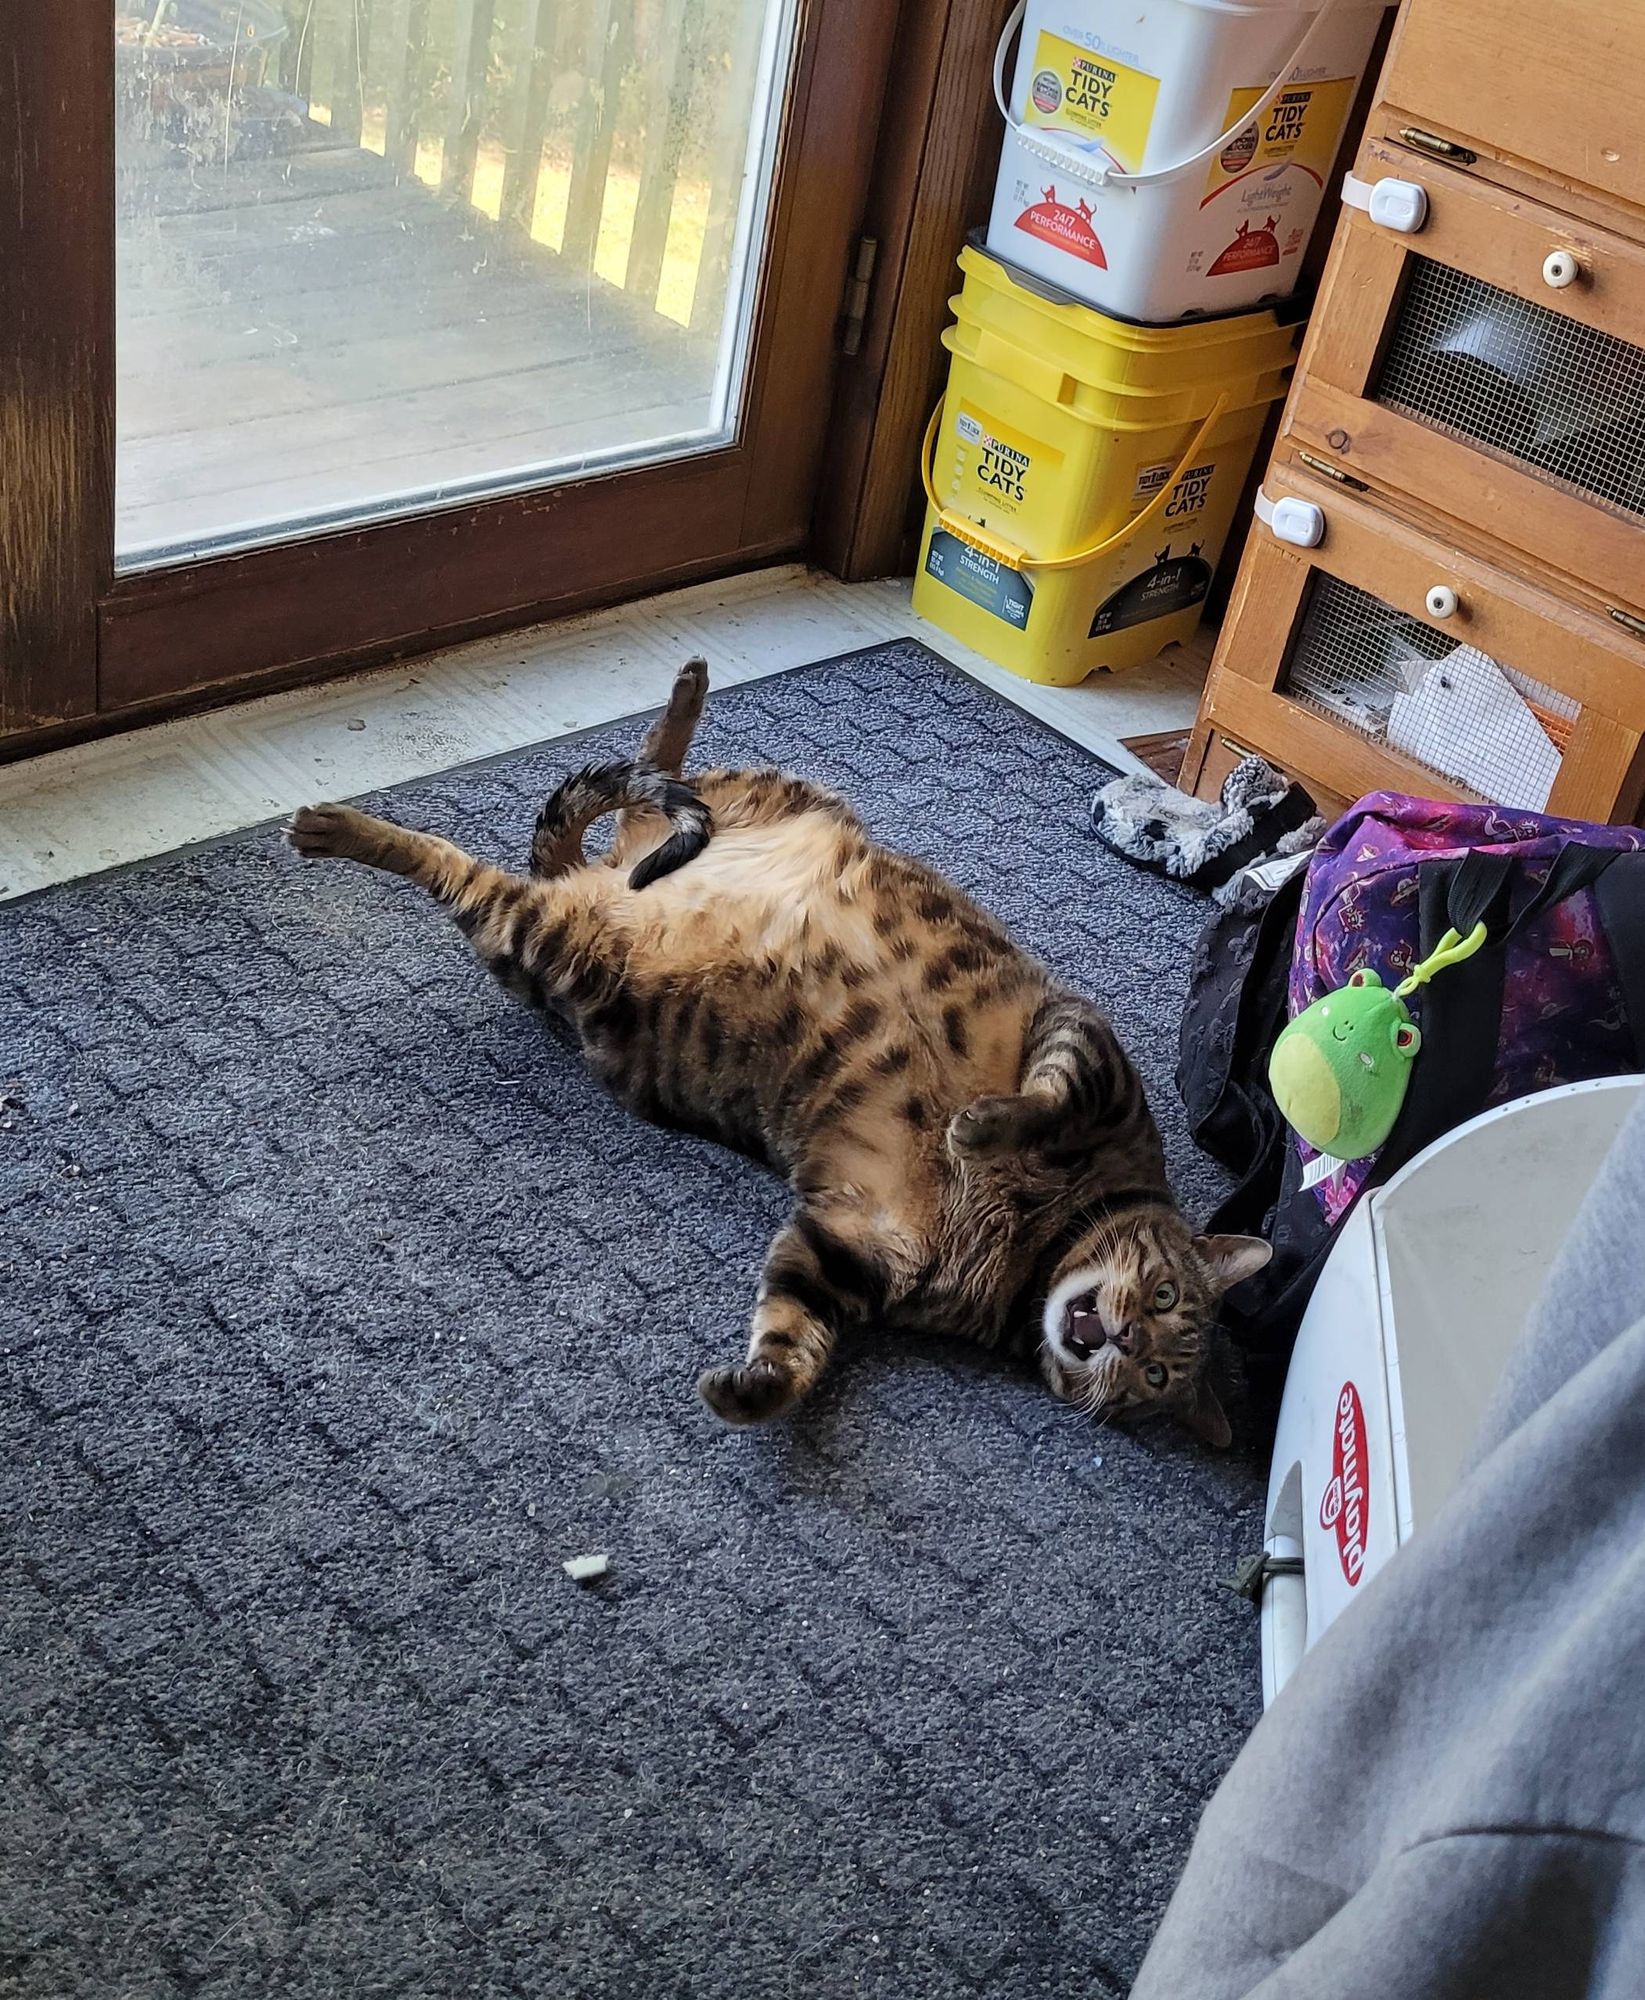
(337, 1307)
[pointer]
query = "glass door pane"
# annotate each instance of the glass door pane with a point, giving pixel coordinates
(377, 254)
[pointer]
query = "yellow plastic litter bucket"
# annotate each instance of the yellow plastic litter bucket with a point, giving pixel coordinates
(1081, 473)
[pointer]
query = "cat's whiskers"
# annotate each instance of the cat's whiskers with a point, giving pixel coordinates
(1103, 1410)
(1098, 1395)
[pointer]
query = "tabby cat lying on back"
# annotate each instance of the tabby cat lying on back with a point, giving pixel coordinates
(969, 1148)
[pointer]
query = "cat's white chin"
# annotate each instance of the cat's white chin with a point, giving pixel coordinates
(1082, 1383)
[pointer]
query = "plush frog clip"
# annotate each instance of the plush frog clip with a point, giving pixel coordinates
(1339, 1070)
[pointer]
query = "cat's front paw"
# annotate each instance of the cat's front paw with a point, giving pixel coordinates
(751, 1394)
(318, 831)
(990, 1125)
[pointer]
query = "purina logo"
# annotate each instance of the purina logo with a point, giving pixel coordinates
(1345, 1503)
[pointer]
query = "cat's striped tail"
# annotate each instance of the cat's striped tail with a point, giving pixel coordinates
(598, 789)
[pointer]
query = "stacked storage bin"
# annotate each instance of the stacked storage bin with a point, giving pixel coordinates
(1121, 333)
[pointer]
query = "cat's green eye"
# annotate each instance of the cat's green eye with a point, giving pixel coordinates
(1165, 1296)
(1154, 1374)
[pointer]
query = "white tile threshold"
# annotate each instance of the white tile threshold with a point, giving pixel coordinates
(73, 812)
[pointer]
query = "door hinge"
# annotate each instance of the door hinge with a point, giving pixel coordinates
(1431, 142)
(857, 288)
(1628, 621)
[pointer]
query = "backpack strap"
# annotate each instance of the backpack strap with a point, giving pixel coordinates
(1222, 1077)
(1461, 1013)
(1476, 891)
(1480, 880)
(1620, 897)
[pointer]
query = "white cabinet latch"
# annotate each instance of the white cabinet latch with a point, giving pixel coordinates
(1398, 205)
(1298, 522)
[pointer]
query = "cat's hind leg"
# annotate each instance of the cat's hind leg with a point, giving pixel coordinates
(815, 1286)
(669, 738)
(641, 829)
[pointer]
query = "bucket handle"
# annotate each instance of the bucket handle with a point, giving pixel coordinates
(967, 531)
(1046, 147)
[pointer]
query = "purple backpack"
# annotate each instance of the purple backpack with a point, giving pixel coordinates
(1556, 996)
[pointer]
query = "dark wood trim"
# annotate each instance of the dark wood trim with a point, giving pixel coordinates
(939, 148)
(839, 89)
(56, 356)
(1162, 750)
(311, 607)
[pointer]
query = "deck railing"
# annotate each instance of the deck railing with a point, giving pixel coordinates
(613, 131)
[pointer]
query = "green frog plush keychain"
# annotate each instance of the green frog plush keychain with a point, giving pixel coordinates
(1339, 1070)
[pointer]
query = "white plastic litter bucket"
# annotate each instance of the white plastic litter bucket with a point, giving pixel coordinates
(1169, 159)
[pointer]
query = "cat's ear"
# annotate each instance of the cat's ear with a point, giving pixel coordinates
(1204, 1416)
(1233, 1258)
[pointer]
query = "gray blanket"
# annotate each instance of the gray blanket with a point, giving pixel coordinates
(1448, 1800)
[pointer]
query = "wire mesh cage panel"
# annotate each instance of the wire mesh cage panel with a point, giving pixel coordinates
(1476, 362)
(1397, 680)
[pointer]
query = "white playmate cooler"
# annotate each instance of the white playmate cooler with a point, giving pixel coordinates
(1406, 1337)
(1169, 158)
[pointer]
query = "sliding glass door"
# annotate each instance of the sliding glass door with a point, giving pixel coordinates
(374, 255)
(402, 318)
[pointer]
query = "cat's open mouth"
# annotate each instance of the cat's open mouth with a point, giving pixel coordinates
(1083, 1329)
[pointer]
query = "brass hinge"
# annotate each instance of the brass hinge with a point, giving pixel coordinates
(1628, 621)
(1332, 471)
(1431, 142)
(857, 288)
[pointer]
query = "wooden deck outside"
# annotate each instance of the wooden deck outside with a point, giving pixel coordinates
(328, 320)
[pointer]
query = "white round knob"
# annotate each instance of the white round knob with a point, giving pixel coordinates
(1560, 268)
(1441, 601)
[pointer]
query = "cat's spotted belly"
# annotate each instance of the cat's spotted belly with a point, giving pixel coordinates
(764, 891)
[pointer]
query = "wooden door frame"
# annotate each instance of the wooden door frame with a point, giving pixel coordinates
(56, 362)
(83, 649)
(938, 151)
